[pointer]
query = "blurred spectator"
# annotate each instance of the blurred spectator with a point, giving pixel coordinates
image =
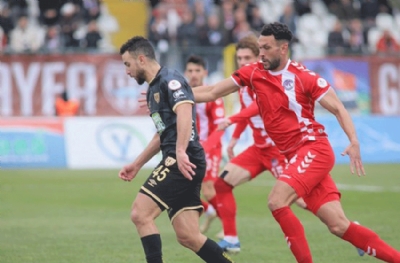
(158, 32)
(242, 30)
(91, 10)
(256, 21)
(356, 29)
(344, 9)
(65, 106)
(302, 7)
(93, 36)
(200, 16)
(3, 40)
(26, 37)
(6, 21)
(387, 44)
(354, 47)
(369, 9)
(289, 18)
(187, 35)
(18, 8)
(336, 41)
(227, 16)
(49, 12)
(69, 23)
(53, 40)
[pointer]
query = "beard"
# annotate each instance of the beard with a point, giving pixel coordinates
(140, 77)
(274, 64)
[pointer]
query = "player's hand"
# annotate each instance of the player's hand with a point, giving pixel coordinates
(353, 151)
(224, 124)
(184, 165)
(128, 172)
(231, 145)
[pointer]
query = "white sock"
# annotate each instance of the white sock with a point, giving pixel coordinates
(210, 209)
(231, 239)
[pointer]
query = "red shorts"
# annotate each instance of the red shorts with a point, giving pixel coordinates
(308, 174)
(213, 158)
(256, 160)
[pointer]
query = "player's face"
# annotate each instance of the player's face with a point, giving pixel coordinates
(133, 68)
(270, 52)
(245, 56)
(195, 74)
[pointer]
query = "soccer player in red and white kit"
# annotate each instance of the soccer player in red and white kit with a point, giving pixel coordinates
(286, 94)
(209, 115)
(244, 167)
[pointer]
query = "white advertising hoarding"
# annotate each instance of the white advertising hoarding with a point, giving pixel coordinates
(107, 142)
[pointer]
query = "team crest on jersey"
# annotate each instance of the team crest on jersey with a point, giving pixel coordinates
(322, 83)
(174, 84)
(169, 161)
(288, 84)
(157, 97)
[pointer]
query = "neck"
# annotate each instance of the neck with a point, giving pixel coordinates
(152, 71)
(282, 65)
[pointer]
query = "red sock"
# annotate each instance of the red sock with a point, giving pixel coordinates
(205, 204)
(294, 234)
(226, 207)
(370, 242)
(213, 202)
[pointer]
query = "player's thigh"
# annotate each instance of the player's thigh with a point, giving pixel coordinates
(144, 207)
(311, 164)
(186, 222)
(208, 189)
(170, 190)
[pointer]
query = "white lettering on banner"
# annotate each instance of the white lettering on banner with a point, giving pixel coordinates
(5, 90)
(26, 84)
(86, 90)
(389, 90)
(50, 86)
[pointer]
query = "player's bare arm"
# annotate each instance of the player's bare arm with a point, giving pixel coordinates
(331, 102)
(129, 171)
(184, 130)
(213, 92)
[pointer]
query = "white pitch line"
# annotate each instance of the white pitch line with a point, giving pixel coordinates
(346, 187)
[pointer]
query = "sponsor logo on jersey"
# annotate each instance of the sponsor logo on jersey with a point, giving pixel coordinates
(169, 161)
(288, 84)
(178, 94)
(157, 97)
(174, 84)
(322, 83)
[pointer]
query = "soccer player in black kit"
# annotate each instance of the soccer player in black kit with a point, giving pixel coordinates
(174, 185)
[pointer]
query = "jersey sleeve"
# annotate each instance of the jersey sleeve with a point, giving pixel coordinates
(218, 111)
(178, 92)
(246, 113)
(242, 76)
(316, 86)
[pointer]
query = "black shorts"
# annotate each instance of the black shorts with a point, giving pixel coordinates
(171, 190)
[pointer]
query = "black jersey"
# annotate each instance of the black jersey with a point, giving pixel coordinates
(169, 89)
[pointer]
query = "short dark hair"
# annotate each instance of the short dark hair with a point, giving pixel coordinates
(278, 30)
(138, 45)
(196, 60)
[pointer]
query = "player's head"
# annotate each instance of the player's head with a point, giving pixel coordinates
(274, 45)
(195, 70)
(136, 54)
(247, 50)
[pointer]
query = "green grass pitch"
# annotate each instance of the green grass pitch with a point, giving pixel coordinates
(65, 216)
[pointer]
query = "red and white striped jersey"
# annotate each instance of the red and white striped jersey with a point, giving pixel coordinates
(286, 101)
(250, 117)
(208, 116)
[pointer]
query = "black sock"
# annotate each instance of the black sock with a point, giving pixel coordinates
(210, 252)
(152, 248)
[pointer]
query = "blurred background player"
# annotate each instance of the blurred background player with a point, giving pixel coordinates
(208, 116)
(245, 166)
(65, 106)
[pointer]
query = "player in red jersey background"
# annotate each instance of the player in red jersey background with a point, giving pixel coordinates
(286, 94)
(208, 116)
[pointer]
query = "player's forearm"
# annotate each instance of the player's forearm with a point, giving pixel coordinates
(184, 127)
(246, 113)
(152, 149)
(347, 124)
(204, 94)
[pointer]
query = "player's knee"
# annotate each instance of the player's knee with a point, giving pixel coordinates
(338, 228)
(276, 201)
(186, 239)
(136, 215)
(221, 186)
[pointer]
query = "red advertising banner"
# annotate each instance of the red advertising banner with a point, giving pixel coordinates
(385, 85)
(29, 84)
